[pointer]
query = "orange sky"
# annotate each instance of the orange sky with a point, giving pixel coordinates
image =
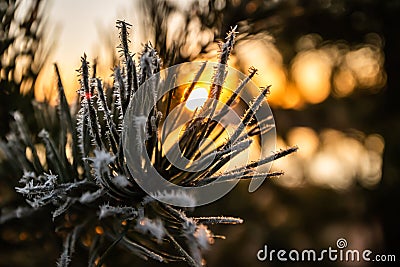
(78, 27)
(88, 26)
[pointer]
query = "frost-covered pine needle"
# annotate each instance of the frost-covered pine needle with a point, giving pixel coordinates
(81, 172)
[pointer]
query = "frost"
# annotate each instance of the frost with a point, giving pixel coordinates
(124, 212)
(46, 189)
(27, 176)
(203, 236)
(89, 197)
(38, 191)
(176, 196)
(139, 123)
(80, 128)
(69, 247)
(101, 159)
(154, 227)
(219, 220)
(198, 238)
(63, 208)
(51, 179)
(121, 181)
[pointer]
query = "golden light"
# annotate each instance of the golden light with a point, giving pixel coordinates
(371, 170)
(292, 98)
(196, 98)
(305, 138)
(375, 142)
(331, 158)
(327, 169)
(99, 230)
(311, 71)
(344, 82)
(263, 55)
(366, 64)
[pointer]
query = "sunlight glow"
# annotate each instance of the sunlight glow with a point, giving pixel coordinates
(344, 82)
(331, 158)
(311, 72)
(196, 98)
(366, 63)
(305, 138)
(264, 56)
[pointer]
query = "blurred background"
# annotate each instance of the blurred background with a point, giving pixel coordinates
(333, 69)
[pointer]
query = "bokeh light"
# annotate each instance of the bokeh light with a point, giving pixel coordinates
(332, 159)
(318, 70)
(262, 54)
(311, 72)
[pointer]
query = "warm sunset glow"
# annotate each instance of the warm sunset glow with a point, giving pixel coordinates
(291, 98)
(331, 159)
(366, 63)
(327, 170)
(314, 71)
(264, 56)
(196, 98)
(311, 71)
(344, 82)
(95, 37)
(306, 138)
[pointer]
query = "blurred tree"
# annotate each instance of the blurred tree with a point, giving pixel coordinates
(23, 52)
(22, 55)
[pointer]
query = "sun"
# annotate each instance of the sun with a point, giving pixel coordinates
(196, 98)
